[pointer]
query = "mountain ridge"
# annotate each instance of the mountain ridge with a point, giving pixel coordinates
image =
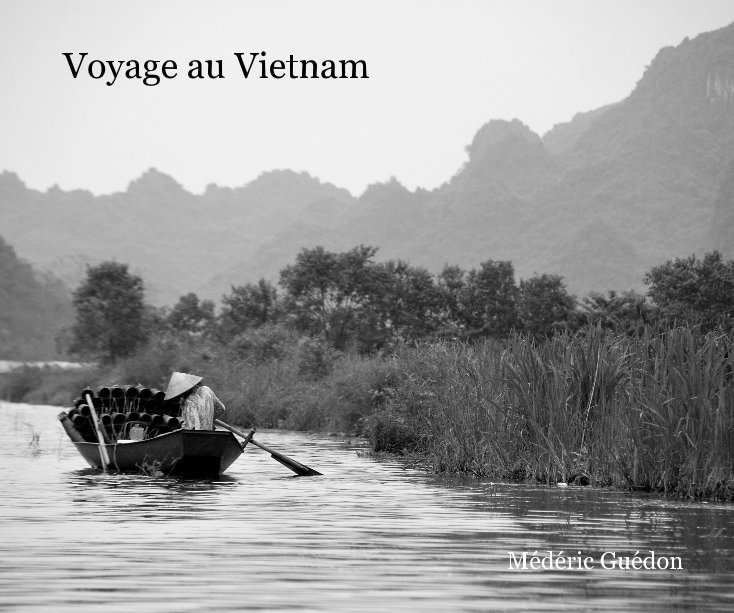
(599, 199)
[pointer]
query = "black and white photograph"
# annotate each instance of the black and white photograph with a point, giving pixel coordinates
(365, 306)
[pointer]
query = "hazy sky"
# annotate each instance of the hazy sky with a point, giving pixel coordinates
(438, 71)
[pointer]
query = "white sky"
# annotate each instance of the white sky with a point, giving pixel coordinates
(438, 71)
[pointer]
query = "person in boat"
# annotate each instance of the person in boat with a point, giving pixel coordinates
(199, 405)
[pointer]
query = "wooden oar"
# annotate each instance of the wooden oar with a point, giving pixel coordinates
(99, 429)
(300, 469)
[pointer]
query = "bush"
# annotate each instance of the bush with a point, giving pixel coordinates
(16, 384)
(389, 432)
(315, 358)
(45, 385)
(263, 344)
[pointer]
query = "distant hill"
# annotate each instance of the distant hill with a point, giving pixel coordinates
(33, 310)
(600, 200)
(175, 240)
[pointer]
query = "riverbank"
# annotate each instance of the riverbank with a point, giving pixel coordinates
(9, 365)
(653, 412)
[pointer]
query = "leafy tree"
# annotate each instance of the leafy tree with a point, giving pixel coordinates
(629, 312)
(488, 301)
(544, 305)
(407, 304)
(451, 284)
(110, 312)
(328, 292)
(191, 315)
(694, 291)
(249, 306)
(265, 343)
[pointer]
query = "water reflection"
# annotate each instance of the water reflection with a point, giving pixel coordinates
(366, 536)
(132, 497)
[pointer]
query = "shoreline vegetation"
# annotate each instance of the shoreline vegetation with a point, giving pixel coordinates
(466, 373)
(654, 412)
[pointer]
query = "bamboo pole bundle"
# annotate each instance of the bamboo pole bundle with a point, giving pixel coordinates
(119, 407)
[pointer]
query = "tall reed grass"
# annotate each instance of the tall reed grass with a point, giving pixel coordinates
(681, 422)
(653, 412)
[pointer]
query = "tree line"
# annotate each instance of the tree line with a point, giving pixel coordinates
(352, 302)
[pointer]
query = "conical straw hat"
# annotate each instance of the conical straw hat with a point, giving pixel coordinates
(180, 382)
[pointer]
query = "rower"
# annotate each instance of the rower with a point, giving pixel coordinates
(199, 404)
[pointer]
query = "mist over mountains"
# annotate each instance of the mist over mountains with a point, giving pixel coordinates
(599, 200)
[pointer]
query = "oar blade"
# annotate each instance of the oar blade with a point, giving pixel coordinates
(300, 469)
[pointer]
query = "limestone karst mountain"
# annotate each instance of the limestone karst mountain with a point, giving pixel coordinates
(175, 240)
(599, 200)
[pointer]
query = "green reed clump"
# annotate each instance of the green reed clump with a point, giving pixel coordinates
(519, 410)
(449, 405)
(652, 412)
(681, 422)
(564, 393)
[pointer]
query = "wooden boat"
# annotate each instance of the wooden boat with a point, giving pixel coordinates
(180, 452)
(137, 429)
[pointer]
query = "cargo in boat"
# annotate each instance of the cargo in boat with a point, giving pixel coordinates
(142, 433)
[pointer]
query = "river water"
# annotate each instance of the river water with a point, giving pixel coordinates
(366, 536)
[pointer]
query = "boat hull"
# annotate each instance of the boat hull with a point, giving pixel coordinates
(181, 452)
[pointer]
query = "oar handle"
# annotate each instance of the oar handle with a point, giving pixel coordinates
(263, 447)
(247, 436)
